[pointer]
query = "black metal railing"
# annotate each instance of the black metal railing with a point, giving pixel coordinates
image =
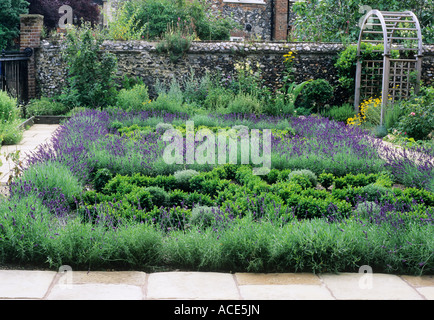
(14, 73)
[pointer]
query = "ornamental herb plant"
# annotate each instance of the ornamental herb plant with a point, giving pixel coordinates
(176, 40)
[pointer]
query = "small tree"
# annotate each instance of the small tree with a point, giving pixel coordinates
(91, 75)
(10, 11)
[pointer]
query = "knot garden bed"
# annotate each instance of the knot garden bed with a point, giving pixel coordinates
(102, 196)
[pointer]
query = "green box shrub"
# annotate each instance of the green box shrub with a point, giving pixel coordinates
(315, 95)
(159, 196)
(305, 178)
(183, 178)
(326, 179)
(102, 177)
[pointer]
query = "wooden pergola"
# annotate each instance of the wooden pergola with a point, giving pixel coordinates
(392, 78)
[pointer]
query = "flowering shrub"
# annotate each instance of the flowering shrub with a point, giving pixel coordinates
(369, 111)
(418, 115)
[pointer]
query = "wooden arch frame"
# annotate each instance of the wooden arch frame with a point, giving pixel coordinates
(399, 31)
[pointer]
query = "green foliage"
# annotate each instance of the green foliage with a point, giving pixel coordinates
(8, 108)
(218, 98)
(392, 115)
(292, 92)
(126, 24)
(10, 11)
(91, 75)
(10, 134)
(159, 196)
(133, 99)
(355, 180)
(149, 20)
(373, 192)
(326, 179)
(46, 106)
(309, 206)
(331, 21)
(417, 118)
(366, 209)
(102, 176)
(203, 216)
(195, 89)
(53, 175)
(315, 95)
(183, 178)
(176, 41)
(122, 184)
(244, 103)
(380, 131)
(248, 80)
(306, 178)
(207, 24)
(347, 61)
(340, 113)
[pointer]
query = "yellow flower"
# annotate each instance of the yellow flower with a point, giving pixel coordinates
(289, 56)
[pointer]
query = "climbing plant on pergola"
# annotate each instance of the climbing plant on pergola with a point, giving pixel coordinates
(392, 78)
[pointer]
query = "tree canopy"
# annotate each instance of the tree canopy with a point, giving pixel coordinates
(10, 11)
(338, 20)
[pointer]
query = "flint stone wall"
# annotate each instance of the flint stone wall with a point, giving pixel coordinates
(141, 59)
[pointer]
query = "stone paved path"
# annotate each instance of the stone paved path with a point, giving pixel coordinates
(36, 135)
(94, 285)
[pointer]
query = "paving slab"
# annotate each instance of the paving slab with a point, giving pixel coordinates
(98, 285)
(277, 278)
(94, 291)
(426, 292)
(285, 292)
(419, 281)
(423, 284)
(134, 278)
(24, 284)
(374, 286)
(281, 286)
(192, 285)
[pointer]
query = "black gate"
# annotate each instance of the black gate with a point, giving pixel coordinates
(14, 73)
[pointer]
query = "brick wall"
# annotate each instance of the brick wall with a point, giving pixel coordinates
(30, 37)
(280, 19)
